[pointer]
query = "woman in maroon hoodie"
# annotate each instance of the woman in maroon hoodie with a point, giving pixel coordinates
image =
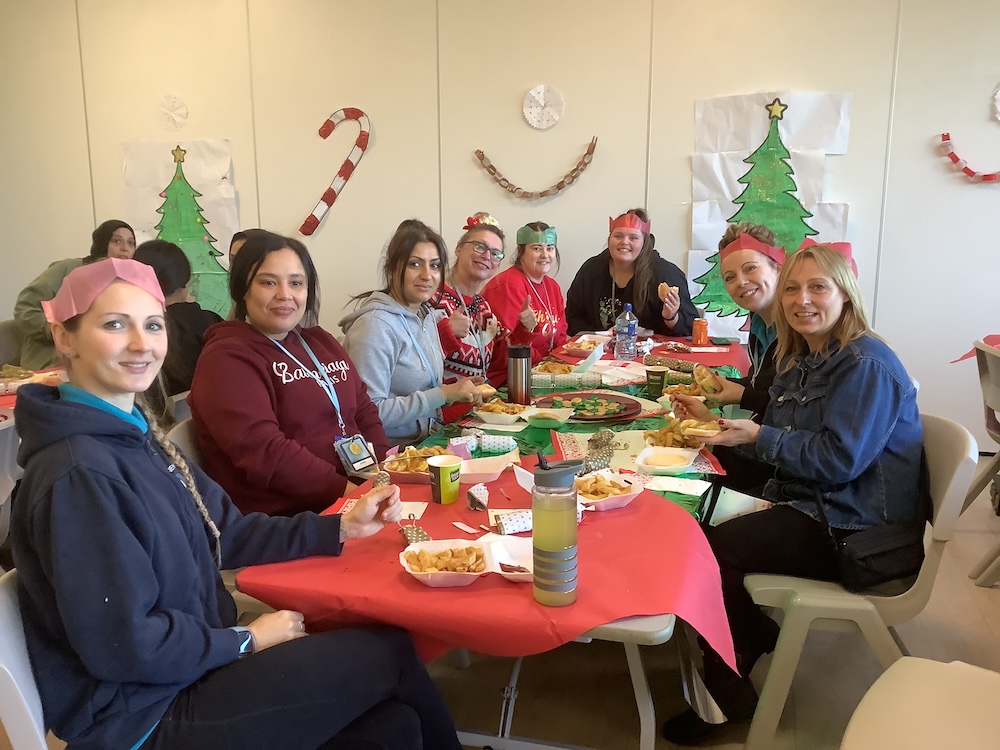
(270, 398)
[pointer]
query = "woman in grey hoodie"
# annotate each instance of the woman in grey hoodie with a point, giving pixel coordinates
(393, 341)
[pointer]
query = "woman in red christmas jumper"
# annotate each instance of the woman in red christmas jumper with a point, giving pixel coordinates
(271, 399)
(526, 298)
(471, 334)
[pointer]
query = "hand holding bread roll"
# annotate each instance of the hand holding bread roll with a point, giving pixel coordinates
(664, 290)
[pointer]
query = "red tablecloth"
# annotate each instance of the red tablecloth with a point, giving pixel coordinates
(648, 558)
(734, 356)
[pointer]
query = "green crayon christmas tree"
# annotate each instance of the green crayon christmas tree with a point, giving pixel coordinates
(185, 226)
(767, 199)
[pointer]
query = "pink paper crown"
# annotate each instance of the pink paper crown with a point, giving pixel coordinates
(842, 248)
(82, 285)
(628, 221)
(749, 242)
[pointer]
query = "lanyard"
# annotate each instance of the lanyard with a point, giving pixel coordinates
(474, 328)
(435, 381)
(322, 379)
(550, 320)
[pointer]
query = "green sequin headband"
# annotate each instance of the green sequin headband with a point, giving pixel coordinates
(528, 236)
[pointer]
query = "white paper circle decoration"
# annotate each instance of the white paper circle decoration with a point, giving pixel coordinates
(173, 113)
(543, 106)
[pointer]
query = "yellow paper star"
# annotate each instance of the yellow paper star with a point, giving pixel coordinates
(776, 109)
(179, 153)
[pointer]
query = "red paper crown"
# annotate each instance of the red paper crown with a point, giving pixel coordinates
(628, 221)
(842, 248)
(749, 242)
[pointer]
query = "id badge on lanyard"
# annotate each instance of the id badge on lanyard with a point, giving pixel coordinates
(355, 453)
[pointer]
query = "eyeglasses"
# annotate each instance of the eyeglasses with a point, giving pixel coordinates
(482, 248)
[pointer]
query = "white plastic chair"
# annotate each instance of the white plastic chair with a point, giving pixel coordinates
(20, 706)
(920, 704)
(951, 457)
(177, 407)
(184, 437)
(987, 571)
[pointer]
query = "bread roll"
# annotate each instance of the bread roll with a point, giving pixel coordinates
(487, 390)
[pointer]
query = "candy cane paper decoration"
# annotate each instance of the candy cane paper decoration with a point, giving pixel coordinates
(346, 169)
(963, 165)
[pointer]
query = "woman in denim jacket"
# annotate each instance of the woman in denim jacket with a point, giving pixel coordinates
(842, 419)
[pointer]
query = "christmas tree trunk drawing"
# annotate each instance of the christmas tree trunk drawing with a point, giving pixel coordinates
(767, 199)
(185, 226)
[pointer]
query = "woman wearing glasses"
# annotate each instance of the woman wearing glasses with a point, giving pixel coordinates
(630, 270)
(526, 298)
(471, 333)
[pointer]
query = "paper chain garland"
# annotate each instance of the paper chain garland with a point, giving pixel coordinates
(963, 165)
(571, 176)
(346, 169)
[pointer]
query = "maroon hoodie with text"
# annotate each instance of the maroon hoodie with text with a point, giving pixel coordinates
(266, 428)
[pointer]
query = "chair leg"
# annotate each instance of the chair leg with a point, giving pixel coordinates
(772, 699)
(983, 478)
(987, 570)
(873, 628)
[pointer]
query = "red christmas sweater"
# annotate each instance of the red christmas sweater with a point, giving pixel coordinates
(265, 426)
(463, 358)
(506, 293)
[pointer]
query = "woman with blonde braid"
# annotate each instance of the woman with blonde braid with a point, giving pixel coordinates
(118, 544)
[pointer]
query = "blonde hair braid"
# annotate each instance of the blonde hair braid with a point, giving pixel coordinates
(182, 465)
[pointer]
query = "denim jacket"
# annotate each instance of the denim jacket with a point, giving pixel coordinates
(849, 425)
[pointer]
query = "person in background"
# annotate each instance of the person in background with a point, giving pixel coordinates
(392, 338)
(471, 333)
(630, 270)
(843, 421)
(186, 320)
(271, 400)
(118, 540)
(113, 238)
(237, 242)
(749, 263)
(526, 297)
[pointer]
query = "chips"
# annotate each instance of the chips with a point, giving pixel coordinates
(412, 459)
(465, 560)
(554, 368)
(583, 346)
(675, 434)
(496, 406)
(599, 487)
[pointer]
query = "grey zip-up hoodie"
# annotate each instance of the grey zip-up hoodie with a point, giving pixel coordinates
(382, 338)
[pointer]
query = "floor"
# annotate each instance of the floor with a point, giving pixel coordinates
(581, 694)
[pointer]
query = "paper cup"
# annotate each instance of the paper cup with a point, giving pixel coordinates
(654, 381)
(445, 472)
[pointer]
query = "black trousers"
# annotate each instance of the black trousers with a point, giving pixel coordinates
(359, 689)
(780, 540)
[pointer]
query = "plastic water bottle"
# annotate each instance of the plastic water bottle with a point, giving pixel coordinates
(626, 330)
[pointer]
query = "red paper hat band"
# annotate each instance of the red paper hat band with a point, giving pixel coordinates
(748, 242)
(628, 221)
(842, 248)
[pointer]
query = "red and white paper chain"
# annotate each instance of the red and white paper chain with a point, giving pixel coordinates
(346, 169)
(963, 165)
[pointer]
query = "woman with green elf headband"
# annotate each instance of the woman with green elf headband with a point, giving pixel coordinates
(526, 298)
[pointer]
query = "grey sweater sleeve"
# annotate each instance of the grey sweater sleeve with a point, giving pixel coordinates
(377, 346)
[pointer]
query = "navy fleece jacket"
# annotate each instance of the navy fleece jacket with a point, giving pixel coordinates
(120, 596)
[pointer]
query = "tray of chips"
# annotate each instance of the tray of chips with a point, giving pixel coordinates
(457, 562)
(409, 465)
(606, 490)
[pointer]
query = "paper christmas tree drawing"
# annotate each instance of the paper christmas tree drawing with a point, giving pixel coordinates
(768, 199)
(185, 226)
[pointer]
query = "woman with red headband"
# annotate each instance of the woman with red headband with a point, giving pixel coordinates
(630, 271)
